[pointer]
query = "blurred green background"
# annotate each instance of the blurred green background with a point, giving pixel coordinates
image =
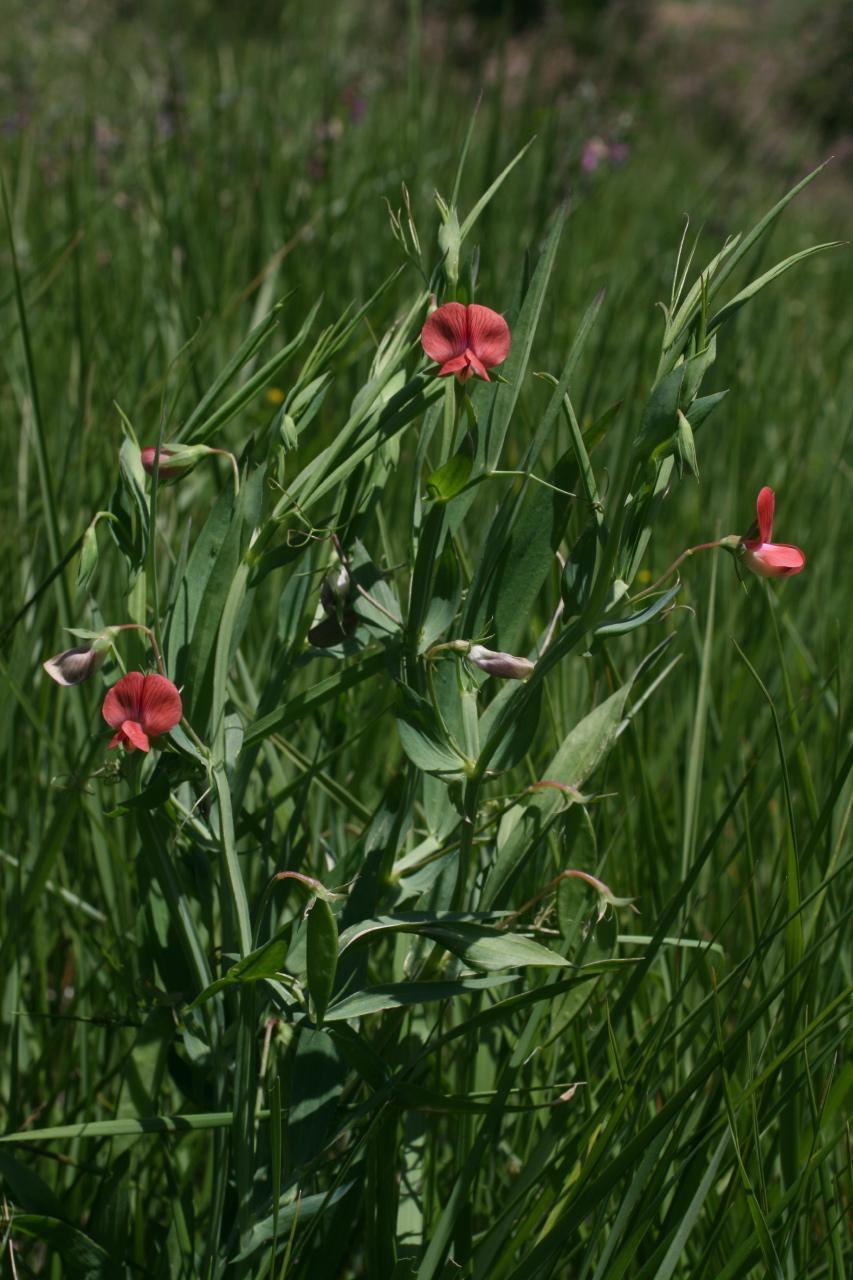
(171, 172)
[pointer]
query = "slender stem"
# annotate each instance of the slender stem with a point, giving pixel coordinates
(230, 456)
(139, 626)
(703, 546)
(528, 475)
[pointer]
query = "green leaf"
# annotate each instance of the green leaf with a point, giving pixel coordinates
(253, 385)
(580, 754)
(322, 955)
(524, 331)
(521, 732)
(639, 619)
(485, 948)
(451, 478)
(422, 737)
(403, 922)
(154, 796)
(446, 592)
(26, 1189)
(291, 1211)
(519, 565)
(266, 962)
(83, 1259)
(734, 304)
(403, 995)
(579, 573)
(492, 190)
(301, 705)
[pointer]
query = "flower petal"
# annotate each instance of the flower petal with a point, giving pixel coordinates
(488, 335)
(774, 560)
(477, 365)
(124, 700)
(161, 706)
(73, 666)
(445, 333)
(765, 506)
(453, 366)
(147, 457)
(133, 735)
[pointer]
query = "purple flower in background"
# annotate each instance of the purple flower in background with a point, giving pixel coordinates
(594, 153)
(356, 104)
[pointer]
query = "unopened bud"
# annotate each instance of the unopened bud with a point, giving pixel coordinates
(73, 666)
(181, 458)
(506, 665)
(335, 589)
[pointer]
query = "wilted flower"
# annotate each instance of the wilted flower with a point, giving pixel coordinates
(140, 707)
(769, 559)
(73, 666)
(496, 663)
(466, 340)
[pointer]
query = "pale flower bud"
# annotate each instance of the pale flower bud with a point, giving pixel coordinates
(506, 665)
(73, 666)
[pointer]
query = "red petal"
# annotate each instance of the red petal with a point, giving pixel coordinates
(488, 335)
(478, 367)
(445, 333)
(116, 738)
(764, 507)
(161, 706)
(775, 560)
(124, 700)
(133, 735)
(453, 366)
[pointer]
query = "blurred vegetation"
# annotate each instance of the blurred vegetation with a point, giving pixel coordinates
(171, 175)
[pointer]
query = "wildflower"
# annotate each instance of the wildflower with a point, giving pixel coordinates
(769, 559)
(495, 663)
(73, 666)
(466, 340)
(140, 707)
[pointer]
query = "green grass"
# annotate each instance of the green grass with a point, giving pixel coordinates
(495, 1082)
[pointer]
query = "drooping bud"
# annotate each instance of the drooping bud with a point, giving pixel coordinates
(506, 665)
(74, 665)
(181, 458)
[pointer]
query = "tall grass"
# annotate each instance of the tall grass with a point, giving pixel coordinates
(425, 1050)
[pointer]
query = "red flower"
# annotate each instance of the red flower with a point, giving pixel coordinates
(769, 559)
(466, 340)
(148, 455)
(140, 707)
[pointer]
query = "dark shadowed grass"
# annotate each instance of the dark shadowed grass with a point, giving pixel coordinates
(672, 1104)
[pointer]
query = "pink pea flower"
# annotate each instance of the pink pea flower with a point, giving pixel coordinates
(769, 559)
(148, 455)
(140, 707)
(466, 340)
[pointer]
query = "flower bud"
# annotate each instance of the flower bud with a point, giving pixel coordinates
(73, 666)
(335, 589)
(506, 665)
(181, 458)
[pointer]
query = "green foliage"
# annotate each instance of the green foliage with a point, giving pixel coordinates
(315, 987)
